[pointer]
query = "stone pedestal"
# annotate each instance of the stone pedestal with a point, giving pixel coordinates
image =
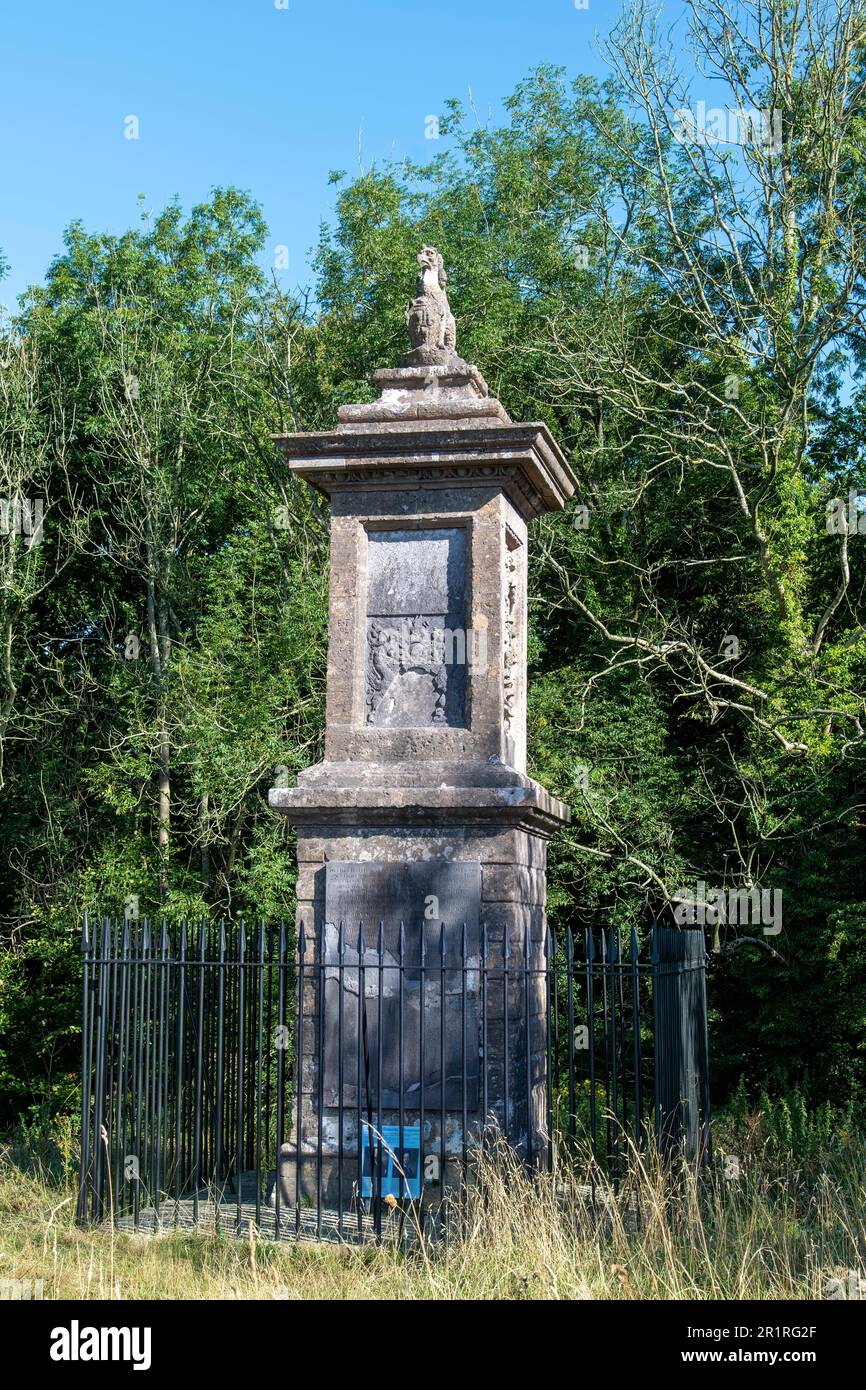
(431, 490)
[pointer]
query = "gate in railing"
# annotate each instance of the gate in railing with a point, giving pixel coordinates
(232, 1074)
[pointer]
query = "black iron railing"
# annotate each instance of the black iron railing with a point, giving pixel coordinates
(335, 1084)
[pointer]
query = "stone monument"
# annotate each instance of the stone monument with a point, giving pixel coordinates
(421, 811)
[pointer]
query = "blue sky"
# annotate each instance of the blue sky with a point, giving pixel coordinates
(242, 92)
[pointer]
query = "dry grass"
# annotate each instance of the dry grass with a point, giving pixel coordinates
(775, 1233)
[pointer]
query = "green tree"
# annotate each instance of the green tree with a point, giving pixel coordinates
(166, 636)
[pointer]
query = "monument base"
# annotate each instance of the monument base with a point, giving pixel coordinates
(450, 885)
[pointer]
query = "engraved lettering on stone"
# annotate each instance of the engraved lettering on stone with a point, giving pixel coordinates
(399, 896)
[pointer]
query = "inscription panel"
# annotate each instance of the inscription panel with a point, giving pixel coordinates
(353, 1021)
(416, 628)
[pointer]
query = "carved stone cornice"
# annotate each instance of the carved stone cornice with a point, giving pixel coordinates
(523, 459)
(528, 808)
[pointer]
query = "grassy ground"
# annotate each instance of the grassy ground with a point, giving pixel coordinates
(777, 1231)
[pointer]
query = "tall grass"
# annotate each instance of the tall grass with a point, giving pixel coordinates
(780, 1229)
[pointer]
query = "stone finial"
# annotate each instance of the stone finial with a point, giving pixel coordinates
(432, 330)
